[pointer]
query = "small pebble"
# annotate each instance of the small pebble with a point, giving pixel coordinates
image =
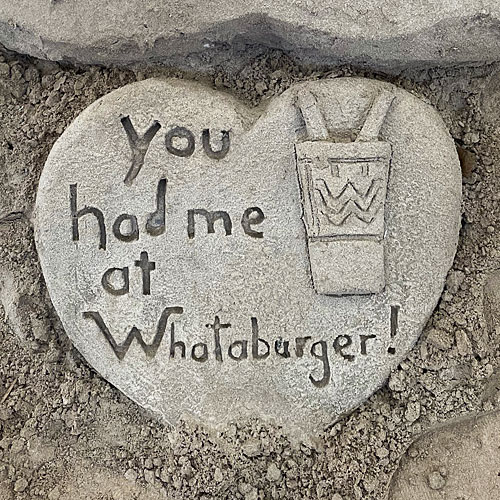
(412, 412)
(471, 138)
(218, 476)
(4, 70)
(440, 339)
(454, 281)
(251, 448)
(149, 476)
(131, 475)
(20, 485)
(463, 344)
(164, 475)
(436, 481)
(273, 473)
(54, 494)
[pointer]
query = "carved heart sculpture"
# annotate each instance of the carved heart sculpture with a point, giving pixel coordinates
(223, 262)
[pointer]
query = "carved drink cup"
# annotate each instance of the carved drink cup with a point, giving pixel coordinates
(344, 188)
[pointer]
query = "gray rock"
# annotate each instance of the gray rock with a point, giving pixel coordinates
(463, 343)
(198, 296)
(460, 460)
(251, 448)
(382, 34)
(412, 412)
(492, 301)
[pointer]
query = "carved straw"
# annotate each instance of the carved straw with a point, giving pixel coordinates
(376, 117)
(314, 120)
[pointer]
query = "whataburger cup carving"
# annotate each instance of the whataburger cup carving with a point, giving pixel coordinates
(344, 187)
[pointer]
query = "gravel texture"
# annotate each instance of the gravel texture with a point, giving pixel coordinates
(65, 433)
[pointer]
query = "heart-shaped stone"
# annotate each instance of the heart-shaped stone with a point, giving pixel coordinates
(223, 262)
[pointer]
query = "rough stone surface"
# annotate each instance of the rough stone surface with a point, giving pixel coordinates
(386, 34)
(254, 283)
(460, 461)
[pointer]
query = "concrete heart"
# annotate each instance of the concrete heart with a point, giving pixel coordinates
(223, 262)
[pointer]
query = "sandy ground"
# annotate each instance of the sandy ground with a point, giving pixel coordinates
(65, 433)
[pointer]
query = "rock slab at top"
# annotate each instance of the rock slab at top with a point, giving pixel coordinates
(382, 34)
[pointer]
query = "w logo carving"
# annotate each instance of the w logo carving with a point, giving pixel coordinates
(350, 202)
(344, 187)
